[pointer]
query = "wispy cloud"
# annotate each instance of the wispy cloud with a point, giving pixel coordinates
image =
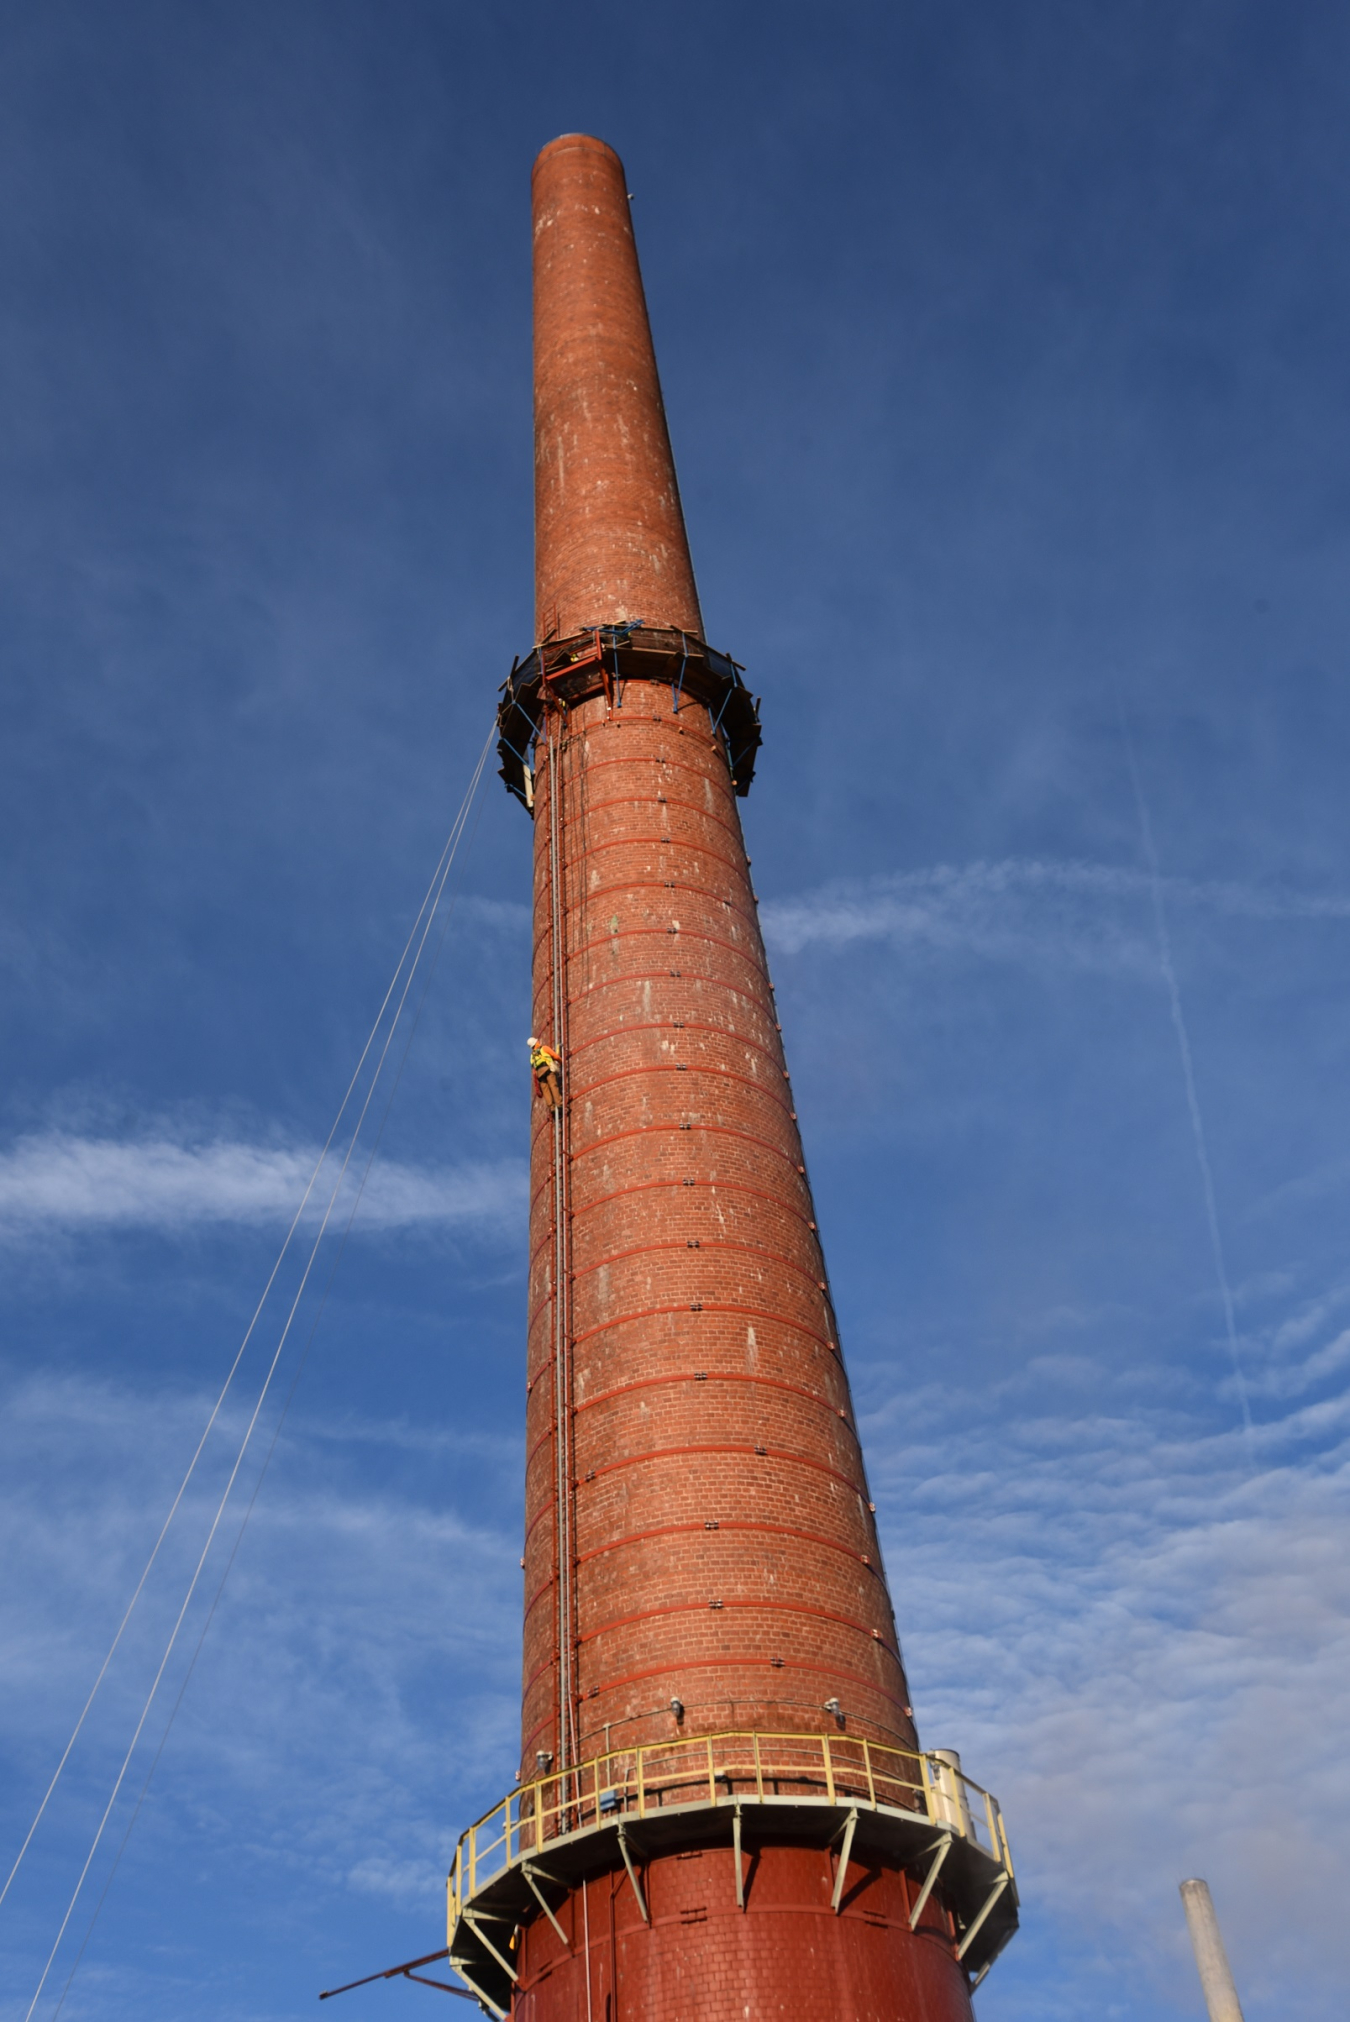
(507, 916)
(1303, 1348)
(1093, 916)
(315, 1726)
(1140, 1652)
(1137, 1650)
(59, 1180)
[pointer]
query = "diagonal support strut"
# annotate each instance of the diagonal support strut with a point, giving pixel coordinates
(632, 1872)
(475, 1925)
(530, 1872)
(850, 1827)
(944, 1847)
(489, 2006)
(974, 1929)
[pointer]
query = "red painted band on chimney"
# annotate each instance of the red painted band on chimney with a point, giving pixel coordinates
(677, 1025)
(708, 1246)
(720, 1524)
(850, 1482)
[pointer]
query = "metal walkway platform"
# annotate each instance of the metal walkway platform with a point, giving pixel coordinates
(850, 1798)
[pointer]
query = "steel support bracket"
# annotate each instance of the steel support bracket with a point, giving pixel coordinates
(489, 2007)
(632, 1872)
(973, 1930)
(476, 1927)
(736, 1849)
(944, 1847)
(850, 1827)
(534, 1876)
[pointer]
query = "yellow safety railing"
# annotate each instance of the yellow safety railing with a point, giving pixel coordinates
(708, 1771)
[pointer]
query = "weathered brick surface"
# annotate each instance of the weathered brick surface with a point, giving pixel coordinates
(727, 1554)
(703, 1959)
(725, 1548)
(610, 532)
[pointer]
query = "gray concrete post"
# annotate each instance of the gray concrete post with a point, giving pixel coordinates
(1216, 1977)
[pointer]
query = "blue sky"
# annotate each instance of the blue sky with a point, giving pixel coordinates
(1004, 352)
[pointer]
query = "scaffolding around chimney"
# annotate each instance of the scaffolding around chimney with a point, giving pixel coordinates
(602, 660)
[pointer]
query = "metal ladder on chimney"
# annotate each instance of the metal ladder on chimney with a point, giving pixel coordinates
(564, 1460)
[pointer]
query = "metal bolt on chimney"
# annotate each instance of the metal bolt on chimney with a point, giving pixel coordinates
(699, 1536)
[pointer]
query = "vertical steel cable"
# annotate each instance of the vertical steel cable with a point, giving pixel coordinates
(562, 1302)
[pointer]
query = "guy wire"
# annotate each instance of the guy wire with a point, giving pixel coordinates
(248, 1335)
(271, 1450)
(428, 907)
(272, 1445)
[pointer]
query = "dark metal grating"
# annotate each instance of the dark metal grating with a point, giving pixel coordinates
(602, 661)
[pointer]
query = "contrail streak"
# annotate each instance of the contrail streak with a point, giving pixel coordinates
(1187, 1069)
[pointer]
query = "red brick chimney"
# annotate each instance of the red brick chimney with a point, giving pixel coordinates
(723, 1812)
(609, 533)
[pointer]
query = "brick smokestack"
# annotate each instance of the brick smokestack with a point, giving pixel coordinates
(701, 1553)
(708, 1387)
(609, 532)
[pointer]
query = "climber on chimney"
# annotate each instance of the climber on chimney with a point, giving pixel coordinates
(547, 1070)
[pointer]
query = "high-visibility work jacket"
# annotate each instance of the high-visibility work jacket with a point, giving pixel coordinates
(544, 1060)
